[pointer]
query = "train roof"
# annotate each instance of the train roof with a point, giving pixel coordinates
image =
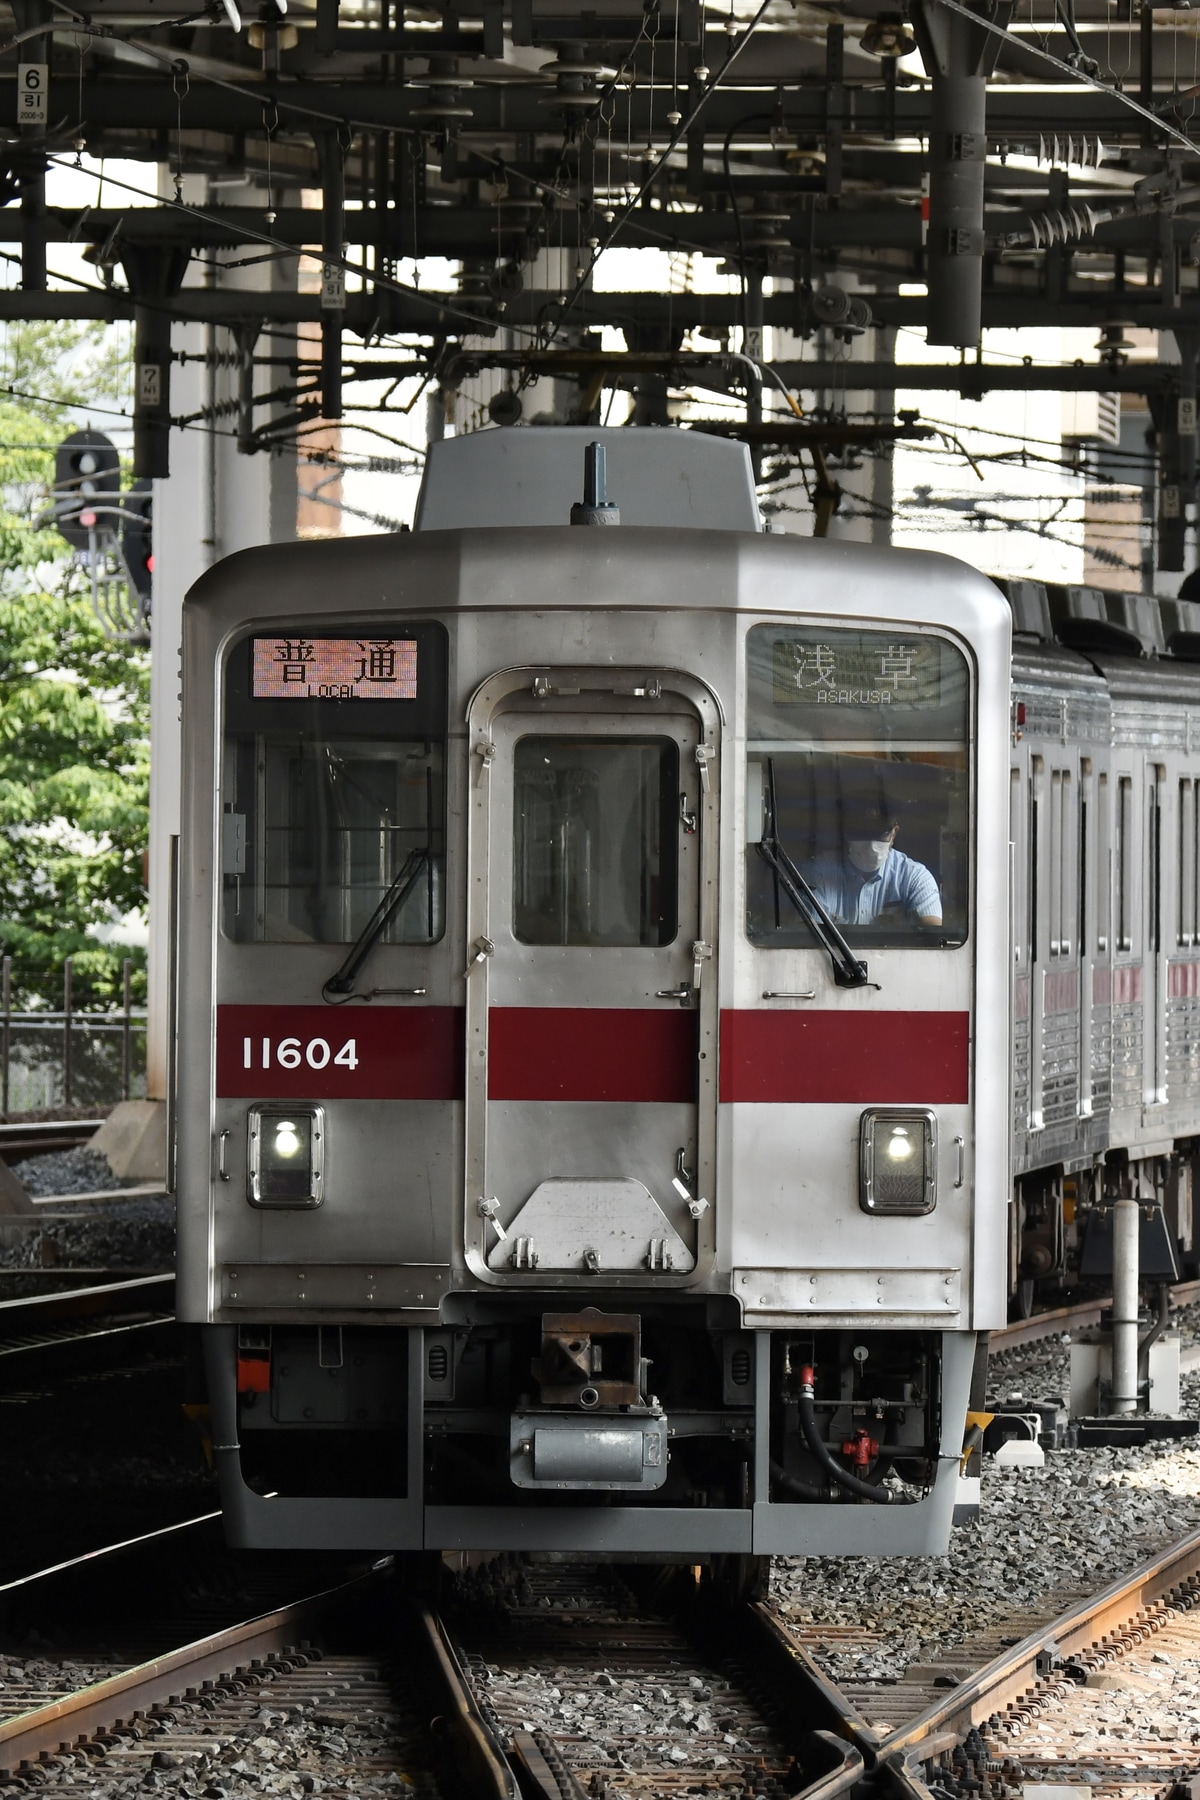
(1112, 625)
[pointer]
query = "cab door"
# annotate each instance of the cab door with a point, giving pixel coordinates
(591, 1012)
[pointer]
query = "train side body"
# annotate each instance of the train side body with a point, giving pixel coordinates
(1106, 1007)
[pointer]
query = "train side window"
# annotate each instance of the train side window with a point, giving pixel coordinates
(1037, 772)
(1154, 861)
(594, 843)
(1060, 862)
(1186, 898)
(1018, 874)
(1084, 872)
(1103, 836)
(858, 775)
(1125, 862)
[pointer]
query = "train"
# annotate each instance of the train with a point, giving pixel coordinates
(607, 1114)
(1105, 833)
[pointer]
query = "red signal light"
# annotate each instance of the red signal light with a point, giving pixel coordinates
(87, 519)
(150, 564)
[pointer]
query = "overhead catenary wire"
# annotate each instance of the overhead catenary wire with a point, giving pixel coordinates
(679, 132)
(982, 23)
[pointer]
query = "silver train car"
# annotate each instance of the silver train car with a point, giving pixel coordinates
(1105, 825)
(556, 1168)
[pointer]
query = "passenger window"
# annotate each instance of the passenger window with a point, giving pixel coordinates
(1084, 876)
(333, 798)
(1060, 862)
(1015, 840)
(1186, 900)
(858, 779)
(1125, 863)
(1103, 866)
(594, 840)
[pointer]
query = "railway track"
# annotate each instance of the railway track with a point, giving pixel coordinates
(597, 1689)
(1072, 1318)
(92, 1323)
(36, 1136)
(561, 1682)
(1025, 1710)
(351, 1687)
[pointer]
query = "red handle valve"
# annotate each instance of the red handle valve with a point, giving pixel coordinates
(861, 1450)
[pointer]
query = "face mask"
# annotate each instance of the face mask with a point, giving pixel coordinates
(868, 854)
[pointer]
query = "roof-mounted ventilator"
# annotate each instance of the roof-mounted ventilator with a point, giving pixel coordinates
(594, 509)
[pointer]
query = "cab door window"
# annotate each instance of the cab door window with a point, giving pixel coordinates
(595, 839)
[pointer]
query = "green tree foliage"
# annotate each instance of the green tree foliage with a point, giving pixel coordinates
(74, 719)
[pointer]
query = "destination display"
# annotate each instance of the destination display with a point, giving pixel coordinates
(856, 669)
(321, 668)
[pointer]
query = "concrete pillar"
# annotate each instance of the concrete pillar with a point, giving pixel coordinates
(213, 502)
(1126, 1224)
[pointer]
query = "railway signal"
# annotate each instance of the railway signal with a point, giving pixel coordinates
(87, 479)
(137, 539)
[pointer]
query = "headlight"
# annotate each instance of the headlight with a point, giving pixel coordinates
(287, 1155)
(898, 1161)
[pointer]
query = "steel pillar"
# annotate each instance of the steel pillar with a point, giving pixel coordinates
(333, 280)
(1126, 1223)
(958, 56)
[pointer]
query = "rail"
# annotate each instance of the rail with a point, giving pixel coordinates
(257, 1647)
(144, 1293)
(1117, 1611)
(1042, 1325)
(33, 1137)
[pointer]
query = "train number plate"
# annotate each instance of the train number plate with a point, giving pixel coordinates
(339, 1053)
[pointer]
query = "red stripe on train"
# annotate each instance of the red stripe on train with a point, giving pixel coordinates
(825, 1057)
(592, 1053)
(1121, 986)
(621, 1054)
(1183, 980)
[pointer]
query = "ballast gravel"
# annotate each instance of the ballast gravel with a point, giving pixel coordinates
(118, 1234)
(1084, 1519)
(78, 1171)
(130, 1234)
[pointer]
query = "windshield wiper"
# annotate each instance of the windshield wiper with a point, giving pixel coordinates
(848, 972)
(410, 873)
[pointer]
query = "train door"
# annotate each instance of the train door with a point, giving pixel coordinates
(591, 994)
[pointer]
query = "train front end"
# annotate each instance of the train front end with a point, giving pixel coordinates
(592, 1032)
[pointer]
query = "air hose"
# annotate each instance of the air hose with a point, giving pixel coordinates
(795, 1485)
(880, 1496)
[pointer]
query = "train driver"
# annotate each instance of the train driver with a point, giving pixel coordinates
(871, 880)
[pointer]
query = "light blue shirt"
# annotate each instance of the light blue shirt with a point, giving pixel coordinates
(902, 886)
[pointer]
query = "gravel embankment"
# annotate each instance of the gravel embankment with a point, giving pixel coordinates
(121, 1234)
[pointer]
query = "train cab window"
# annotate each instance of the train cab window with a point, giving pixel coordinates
(594, 840)
(333, 794)
(858, 779)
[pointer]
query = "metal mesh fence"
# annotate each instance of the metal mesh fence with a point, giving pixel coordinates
(69, 1058)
